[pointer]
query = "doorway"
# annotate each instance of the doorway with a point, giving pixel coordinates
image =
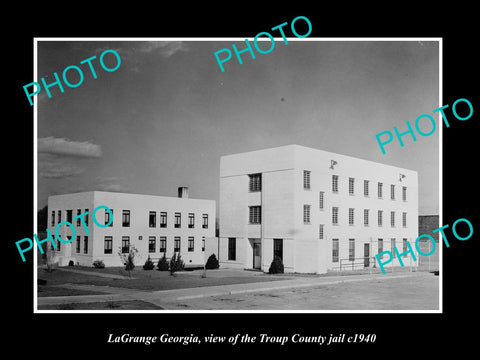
(366, 255)
(257, 255)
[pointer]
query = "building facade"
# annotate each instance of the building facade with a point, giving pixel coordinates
(317, 210)
(154, 225)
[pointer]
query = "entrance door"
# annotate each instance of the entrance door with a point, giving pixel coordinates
(257, 255)
(366, 255)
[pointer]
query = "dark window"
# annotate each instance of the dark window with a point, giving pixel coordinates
(151, 244)
(380, 192)
(77, 249)
(278, 248)
(392, 192)
(321, 197)
(107, 249)
(125, 244)
(205, 221)
(85, 244)
(306, 214)
(335, 183)
(178, 220)
(306, 179)
(163, 243)
(59, 216)
(163, 219)
(79, 221)
(351, 249)
(69, 216)
(126, 218)
(232, 247)
(53, 218)
(404, 193)
(203, 243)
(254, 213)
(176, 244)
(152, 219)
(191, 220)
(334, 250)
(191, 243)
(108, 220)
(351, 186)
(255, 182)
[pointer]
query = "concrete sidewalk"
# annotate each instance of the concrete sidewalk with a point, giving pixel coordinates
(168, 299)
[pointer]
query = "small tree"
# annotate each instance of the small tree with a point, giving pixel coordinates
(163, 263)
(149, 265)
(176, 264)
(99, 264)
(212, 262)
(127, 259)
(49, 256)
(276, 267)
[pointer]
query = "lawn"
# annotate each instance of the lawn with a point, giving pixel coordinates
(107, 305)
(145, 280)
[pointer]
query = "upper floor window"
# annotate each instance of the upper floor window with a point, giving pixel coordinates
(392, 192)
(335, 183)
(335, 215)
(306, 179)
(351, 186)
(365, 187)
(205, 221)
(126, 218)
(306, 214)
(178, 220)
(152, 219)
(163, 219)
(191, 220)
(255, 182)
(254, 214)
(380, 190)
(404, 193)
(321, 197)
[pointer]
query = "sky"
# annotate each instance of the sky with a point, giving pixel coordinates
(166, 115)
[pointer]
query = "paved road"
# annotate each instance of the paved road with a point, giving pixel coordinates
(176, 299)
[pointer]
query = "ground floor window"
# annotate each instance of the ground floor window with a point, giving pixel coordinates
(334, 250)
(85, 244)
(232, 247)
(351, 249)
(176, 244)
(191, 243)
(151, 244)
(163, 244)
(125, 244)
(108, 245)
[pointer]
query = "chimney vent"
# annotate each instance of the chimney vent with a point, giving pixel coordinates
(183, 192)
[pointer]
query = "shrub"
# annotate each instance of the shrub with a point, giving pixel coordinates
(71, 263)
(149, 265)
(98, 264)
(276, 267)
(163, 263)
(176, 264)
(212, 262)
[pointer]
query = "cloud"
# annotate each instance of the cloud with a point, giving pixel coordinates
(61, 146)
(110, 184)
(164, 48)
(57, 167)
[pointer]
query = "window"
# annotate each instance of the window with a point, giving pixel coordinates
(163, 244)
(392, 192)
(404, 219)
(365, 216)
(176, 244)
(107, 245)
(405, 247)
(108, 220)
(191, 243)
(77, 247)
(320, 199)
(85, 244)
(380, 218)
(351, 213)
(203, 243)
(59, 216)
(79, 212)
(351, 186)
(320, 232)
(126, 218)
(53, 219)
(152, 219)
(69, 216)
(278, 248)
(125, 244)
(365, 187)
(392, 247)
(58, 243)
(351, 249)
(380, 246)
(254, 214)
(232, 247)
(152, 244)
(255, 182)
(191, 220)
(335, 215)
(205, 221)
(404, 193)
(306, 214)
(163, 219)
(306, 179)
(380, 190)
(392, 218)
(334, 250)
(178, 220)
(335, 183)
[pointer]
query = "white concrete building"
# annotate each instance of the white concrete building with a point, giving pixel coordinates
(153, 224)
(317, 210)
